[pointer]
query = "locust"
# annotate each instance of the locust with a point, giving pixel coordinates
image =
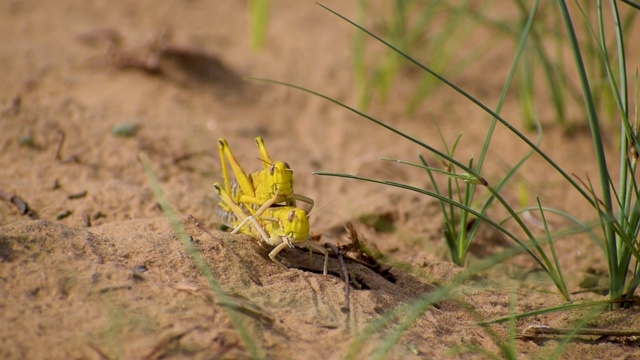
(261, 189)
(279, 226)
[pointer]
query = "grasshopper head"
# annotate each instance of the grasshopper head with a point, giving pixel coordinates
(295, 225)
(281, 178)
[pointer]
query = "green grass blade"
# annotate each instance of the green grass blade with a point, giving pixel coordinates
(633, 4)
(581, 227)
(617, 277)
(419, 306)
(376, 121)
(198, 260)
(590, 106)
(447, 200)
(478, 103)
(519, 52)
(582, 322)
(258, 19)
(555, 79)
(557, 269)
(563, 307)
(359, 66)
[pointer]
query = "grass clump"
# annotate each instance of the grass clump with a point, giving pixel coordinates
(617, 207)
(615, 203)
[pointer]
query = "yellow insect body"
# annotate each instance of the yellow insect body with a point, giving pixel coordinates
(278, 226)
(261, 189)
(284, 226)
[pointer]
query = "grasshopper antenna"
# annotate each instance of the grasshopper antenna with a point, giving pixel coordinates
(318, 208)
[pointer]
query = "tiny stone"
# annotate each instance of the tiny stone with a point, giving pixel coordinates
(125, 129)
(77, 195)
(63, 214)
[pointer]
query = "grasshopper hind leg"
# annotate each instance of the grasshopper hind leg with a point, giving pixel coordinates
(264, 154)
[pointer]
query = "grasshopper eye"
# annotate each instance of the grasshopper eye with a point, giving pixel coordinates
(287, 166)
(271, 169)
(292, 215)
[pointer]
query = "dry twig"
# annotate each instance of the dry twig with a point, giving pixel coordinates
(534, 331)
(347, 307)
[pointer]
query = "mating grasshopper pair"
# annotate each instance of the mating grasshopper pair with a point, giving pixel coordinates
(263, 203)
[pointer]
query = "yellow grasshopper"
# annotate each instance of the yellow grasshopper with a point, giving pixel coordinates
(262, 189)
(278, 226)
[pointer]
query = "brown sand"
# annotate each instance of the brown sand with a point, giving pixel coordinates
(112, 280)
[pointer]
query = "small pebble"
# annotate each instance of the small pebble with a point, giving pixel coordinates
(20, 204)
(27, 140)
(63, 214)
(125, 129)
(77, 195)
(140, 269)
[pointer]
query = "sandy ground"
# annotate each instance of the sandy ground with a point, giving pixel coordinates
(90, 268)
